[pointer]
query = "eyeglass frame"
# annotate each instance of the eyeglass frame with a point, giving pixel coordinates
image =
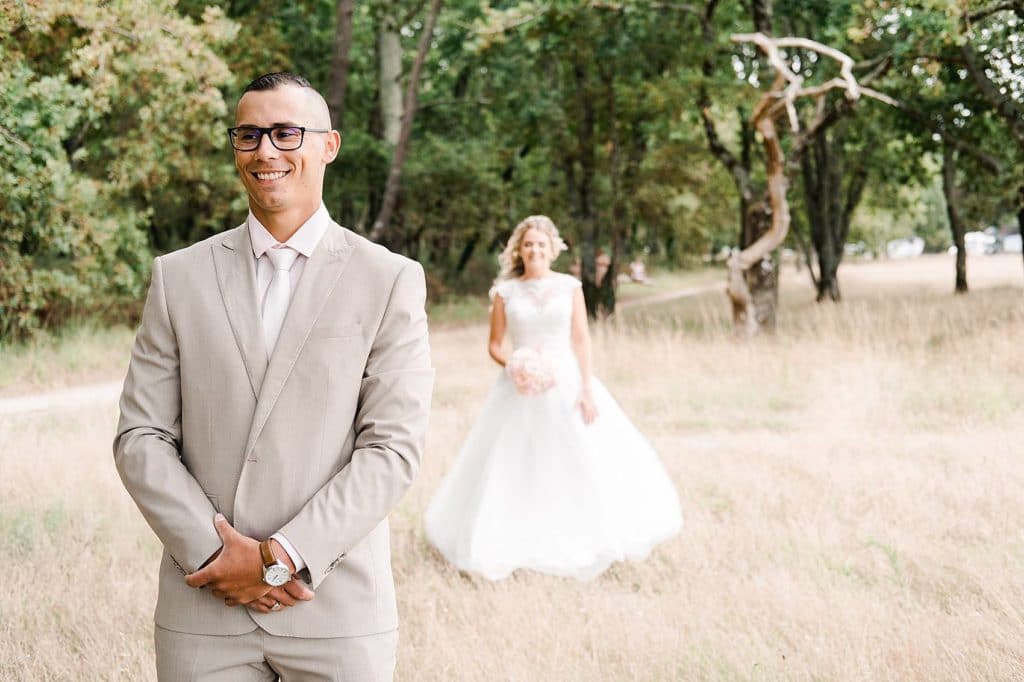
(267, 131)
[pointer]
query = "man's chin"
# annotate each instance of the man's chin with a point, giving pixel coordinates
(268, 201)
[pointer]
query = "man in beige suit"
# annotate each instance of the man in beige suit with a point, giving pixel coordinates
(274, 412)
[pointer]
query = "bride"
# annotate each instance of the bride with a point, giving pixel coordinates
(553, 476)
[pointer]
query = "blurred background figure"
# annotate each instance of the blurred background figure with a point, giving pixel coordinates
(553, 476)
(638, 271)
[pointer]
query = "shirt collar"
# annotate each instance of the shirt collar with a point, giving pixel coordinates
(304, 240)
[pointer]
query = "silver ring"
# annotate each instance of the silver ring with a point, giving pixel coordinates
(276, 606)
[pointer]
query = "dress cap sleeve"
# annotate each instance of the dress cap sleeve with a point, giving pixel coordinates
(503, 288)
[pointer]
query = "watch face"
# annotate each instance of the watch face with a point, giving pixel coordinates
(276, 575)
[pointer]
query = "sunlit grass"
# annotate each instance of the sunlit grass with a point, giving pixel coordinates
(665, 281)
(851, 491)
(81, 354)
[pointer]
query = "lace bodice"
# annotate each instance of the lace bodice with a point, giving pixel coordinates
(538, 312)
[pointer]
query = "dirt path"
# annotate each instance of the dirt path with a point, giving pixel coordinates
(663, 297)
(61, 399)
(80, 396)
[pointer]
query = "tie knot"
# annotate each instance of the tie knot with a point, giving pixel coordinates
(282, 257)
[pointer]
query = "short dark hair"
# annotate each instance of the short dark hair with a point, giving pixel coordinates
(271, 81)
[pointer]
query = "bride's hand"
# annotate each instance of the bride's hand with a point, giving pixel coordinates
(587, 406)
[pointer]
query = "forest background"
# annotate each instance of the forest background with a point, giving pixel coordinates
(627, 122)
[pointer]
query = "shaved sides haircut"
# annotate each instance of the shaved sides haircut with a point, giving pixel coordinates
(272, 81)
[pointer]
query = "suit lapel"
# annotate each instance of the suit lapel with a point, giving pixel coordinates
(319, 278)
(236, 277)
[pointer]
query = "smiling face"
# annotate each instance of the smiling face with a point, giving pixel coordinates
(536, 252)
(285, 187)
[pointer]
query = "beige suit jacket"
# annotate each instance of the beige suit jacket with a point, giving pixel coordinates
(320, 443)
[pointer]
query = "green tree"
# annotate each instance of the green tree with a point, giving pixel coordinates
(110, 117)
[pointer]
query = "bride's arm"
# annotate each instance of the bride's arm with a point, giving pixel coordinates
(497, 331)
(581, 346)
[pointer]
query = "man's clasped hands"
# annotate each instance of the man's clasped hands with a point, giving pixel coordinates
(235, 574)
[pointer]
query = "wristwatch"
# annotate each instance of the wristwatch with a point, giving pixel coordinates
(275, 573)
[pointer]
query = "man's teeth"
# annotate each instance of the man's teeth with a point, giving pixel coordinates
(276, 175)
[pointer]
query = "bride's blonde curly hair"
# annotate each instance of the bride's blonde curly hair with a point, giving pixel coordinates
(511, 262)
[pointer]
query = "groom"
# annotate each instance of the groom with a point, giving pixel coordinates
(274, 412)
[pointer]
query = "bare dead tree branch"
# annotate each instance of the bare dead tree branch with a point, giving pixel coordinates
(785, 90)
(794, 83)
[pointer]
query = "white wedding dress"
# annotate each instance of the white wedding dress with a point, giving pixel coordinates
(533, 486)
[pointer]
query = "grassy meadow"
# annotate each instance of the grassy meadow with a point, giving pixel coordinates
(852, 488)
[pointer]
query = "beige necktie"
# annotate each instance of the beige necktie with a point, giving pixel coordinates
(279, 294)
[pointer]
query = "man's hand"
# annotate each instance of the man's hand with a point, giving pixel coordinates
(289, 594)
(237, 572)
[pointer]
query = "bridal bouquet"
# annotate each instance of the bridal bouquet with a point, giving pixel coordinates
(530, 371)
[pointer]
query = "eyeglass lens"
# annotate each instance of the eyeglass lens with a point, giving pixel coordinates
(284, 138)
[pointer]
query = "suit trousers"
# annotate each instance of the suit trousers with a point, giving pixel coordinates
(258, 655)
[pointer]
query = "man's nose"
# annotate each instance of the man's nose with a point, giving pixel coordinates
(266, 148)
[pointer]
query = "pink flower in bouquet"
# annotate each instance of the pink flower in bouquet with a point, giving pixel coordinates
(531, 372)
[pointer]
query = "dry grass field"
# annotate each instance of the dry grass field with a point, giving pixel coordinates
(853, 493)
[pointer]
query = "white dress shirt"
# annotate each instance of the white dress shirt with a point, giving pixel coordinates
(304, 241)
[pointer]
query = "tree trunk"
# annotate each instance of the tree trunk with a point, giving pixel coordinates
(830, 204)
(956, 224)
(389, 55)
(609, 285)
(584, 189)
(341, 62)
(753, 276)
(761, 279)
(761, 13)
(381, 225)
(1020, 214)
(467, 252)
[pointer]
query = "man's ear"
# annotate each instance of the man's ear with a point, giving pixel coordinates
(332, 146)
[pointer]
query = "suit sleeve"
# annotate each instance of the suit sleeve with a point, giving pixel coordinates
(390, 428)
(148, 441)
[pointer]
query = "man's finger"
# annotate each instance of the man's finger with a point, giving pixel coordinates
(298, 590)
(266, 605)
(283, 598)
(206, 574)
(224, 529)
(200, 577)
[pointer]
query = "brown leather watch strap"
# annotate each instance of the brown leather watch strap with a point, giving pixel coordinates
(267, 554)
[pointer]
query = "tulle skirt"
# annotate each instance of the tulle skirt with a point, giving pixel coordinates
(534, 487)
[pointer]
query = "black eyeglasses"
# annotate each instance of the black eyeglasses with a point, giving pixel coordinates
(285, 138)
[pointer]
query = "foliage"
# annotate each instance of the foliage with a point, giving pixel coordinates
(108, 116)
(112, 117)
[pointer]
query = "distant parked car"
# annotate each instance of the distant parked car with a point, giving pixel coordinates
(1011, 243)
(909, 247)
(855, 249)
(980, 243)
